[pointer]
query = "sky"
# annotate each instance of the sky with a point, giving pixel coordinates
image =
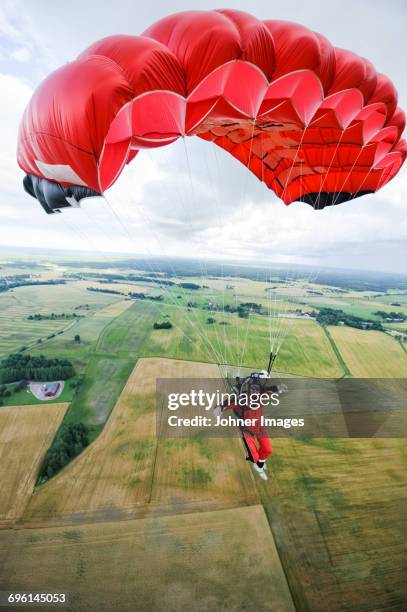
(188, 198)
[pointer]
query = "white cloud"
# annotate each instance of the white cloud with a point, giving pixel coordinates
(14, 95)
(21, 54)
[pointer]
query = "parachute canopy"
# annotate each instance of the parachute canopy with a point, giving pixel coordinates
(315, 123)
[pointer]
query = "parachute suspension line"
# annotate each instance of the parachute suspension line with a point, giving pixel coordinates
(85, 239)
(367, 176)
(234, 347)
(274, 319)
(279, 322)
(228, 346)
(223, 313)
(198, 322)
(248, 326)
(188, 214)
(95, 222)
(194, 326)
(347, 175)
(193, 194)
(242, 199)
(281, 327)
(235, 355)
(163, 287)
(271, 358)
(218, 214)
(325, 175)
(293, 162)
(249, 319)
(271, 362)
(237, 352)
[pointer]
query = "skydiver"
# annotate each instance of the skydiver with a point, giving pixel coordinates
(255, 437)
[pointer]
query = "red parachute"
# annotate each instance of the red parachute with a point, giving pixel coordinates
(313, 122)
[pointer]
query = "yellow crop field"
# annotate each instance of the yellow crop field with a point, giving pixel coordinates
(219, 560)
(113, 310)
(370, 354)
(126, 471)
(25, 434)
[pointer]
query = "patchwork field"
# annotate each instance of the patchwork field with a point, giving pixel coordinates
(370, 354)
(25, 434)
(337, 509)
(171, 512)
(220, 560)
(16, 330)
(306, 351)
(140, 523)
(126, 472)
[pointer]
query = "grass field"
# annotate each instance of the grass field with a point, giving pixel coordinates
(243, 342)
(25, 398)
(370, 354)
(220, 560)
(103, 382)
(337, 509)
(17, 331)
(25, 434)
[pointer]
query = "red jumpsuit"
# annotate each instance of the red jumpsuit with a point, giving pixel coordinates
(255, 437)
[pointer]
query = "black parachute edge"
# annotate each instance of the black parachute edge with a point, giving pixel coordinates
(54, 196)
(318, 201)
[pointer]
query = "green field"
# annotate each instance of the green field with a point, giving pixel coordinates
(336, 509)
(115, 333)
(104, 379)
(16, 331)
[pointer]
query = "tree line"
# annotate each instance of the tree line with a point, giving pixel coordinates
(54, 317)
(391, 316)
(142, 296)
(164, 325)
(18, 366)
(332, 316)
(69, 442)
(6, 286)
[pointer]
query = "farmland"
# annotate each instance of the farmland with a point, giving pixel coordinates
(123, 497)
(16, 330)
(126, 468)
(338, 507)
(140, 522)
(123, 560)
(370, 355)
(25, 434)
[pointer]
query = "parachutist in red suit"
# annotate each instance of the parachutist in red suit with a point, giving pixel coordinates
(254, 434)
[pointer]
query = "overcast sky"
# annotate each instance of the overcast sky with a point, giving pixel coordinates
(218, 209)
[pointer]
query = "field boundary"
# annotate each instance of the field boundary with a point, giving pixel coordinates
(342, 362)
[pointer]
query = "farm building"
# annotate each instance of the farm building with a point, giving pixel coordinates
(51, 389)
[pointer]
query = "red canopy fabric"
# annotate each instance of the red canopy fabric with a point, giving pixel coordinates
(314, 122)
